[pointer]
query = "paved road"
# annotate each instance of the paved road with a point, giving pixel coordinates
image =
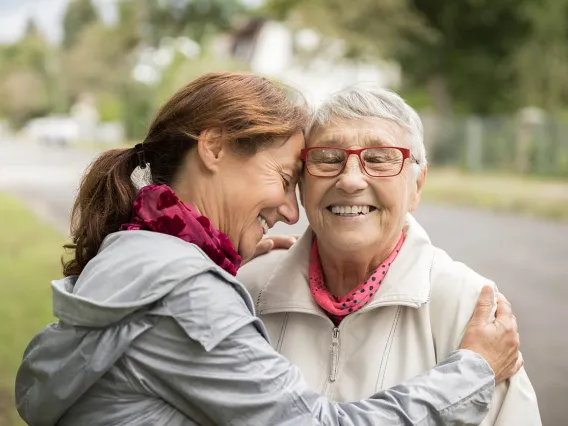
(527, 258)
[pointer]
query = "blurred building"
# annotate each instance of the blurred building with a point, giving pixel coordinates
(304, 59)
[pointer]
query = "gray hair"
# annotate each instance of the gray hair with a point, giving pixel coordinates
(362, 101)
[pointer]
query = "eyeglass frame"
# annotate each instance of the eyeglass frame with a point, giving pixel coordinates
(348, 152)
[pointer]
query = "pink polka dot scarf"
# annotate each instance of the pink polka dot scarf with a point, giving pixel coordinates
(337, 307)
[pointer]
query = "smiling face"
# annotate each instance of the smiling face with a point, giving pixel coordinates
(354, 211)
(259, 190)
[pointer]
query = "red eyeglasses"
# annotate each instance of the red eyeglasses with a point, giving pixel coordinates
(377, 161)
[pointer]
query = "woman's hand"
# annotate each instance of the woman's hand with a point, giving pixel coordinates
(495, 340)
(275, 242)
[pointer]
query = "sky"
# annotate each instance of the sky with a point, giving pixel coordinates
(48, 15)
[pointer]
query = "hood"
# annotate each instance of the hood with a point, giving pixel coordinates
(132, 271)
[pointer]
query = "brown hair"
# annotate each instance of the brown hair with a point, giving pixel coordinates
(252, 111)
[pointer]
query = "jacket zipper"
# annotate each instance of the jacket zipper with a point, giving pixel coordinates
(334, 354)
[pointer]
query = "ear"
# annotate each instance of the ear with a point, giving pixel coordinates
(210, 147)
(420, 181)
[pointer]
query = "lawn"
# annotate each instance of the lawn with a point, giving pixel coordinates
(526, 195)
(29, 260)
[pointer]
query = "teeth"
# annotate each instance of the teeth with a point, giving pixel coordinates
(263, 223)
(350, 210)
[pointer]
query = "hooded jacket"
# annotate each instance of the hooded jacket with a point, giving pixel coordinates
(154, 333)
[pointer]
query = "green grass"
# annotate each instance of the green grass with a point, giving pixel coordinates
(29, 260)
(519, 194)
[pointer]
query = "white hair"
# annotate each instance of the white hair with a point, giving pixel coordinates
(363, 101)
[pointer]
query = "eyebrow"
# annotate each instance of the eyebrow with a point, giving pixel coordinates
(335, 141)
(295, 168)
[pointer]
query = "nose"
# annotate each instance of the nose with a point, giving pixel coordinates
(289, 210)
(353, 177)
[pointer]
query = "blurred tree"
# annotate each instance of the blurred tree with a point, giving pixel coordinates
(26, 77)
(96, 62)
(181, 71)
(78, 16)
(196, 19)
(461, 51)
(542, 62)
(101, 59)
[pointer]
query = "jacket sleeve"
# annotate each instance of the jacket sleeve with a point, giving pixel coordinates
(230, 375)
(453, 298)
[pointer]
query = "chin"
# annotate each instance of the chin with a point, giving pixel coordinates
(247, 247)
(354, 241)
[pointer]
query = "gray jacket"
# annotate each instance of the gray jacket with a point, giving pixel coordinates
(154, 333)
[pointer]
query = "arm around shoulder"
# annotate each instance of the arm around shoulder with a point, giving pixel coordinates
(211, 363)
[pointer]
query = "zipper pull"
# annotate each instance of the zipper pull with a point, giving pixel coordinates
(334, 354)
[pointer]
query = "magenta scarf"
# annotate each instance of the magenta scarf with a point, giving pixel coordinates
(337, 308)
(158, 209)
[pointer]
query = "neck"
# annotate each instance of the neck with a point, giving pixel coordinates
(343, 271)
(200, 191)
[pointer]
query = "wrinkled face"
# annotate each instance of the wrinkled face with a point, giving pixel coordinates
(259, 191)
(355, 211)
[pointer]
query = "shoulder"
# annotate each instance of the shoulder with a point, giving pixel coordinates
(454, 281)
(150, 246)
(256, 273)
(454, 291)
(209, 308)
(159, 258)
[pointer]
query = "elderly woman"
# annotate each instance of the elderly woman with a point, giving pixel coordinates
(363, 300)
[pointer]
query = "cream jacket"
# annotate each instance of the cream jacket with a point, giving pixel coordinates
(415, 319)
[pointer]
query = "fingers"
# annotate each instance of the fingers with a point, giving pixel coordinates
(281, 241)
(503, 306)
(276, 242)
(520, 362)
(264, 246)
(484, 305)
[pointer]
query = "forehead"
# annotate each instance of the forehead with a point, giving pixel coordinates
(285, 151)
(369, 131)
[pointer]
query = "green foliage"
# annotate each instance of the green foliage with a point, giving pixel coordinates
(138, 109)
(542, 62)
(110, 106)
(78, 16)
(181, 71)
(97, 62)
(25, 78)
(477, 56)
(196, 19)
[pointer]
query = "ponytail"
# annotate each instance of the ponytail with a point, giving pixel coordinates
(104, 203)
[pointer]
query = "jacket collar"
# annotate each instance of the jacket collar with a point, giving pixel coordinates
(407, 282)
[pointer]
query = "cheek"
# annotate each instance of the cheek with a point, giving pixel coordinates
(314, 192)
(391, 194)
(270, 196)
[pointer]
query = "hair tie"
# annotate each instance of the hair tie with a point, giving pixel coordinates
(139, 148)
